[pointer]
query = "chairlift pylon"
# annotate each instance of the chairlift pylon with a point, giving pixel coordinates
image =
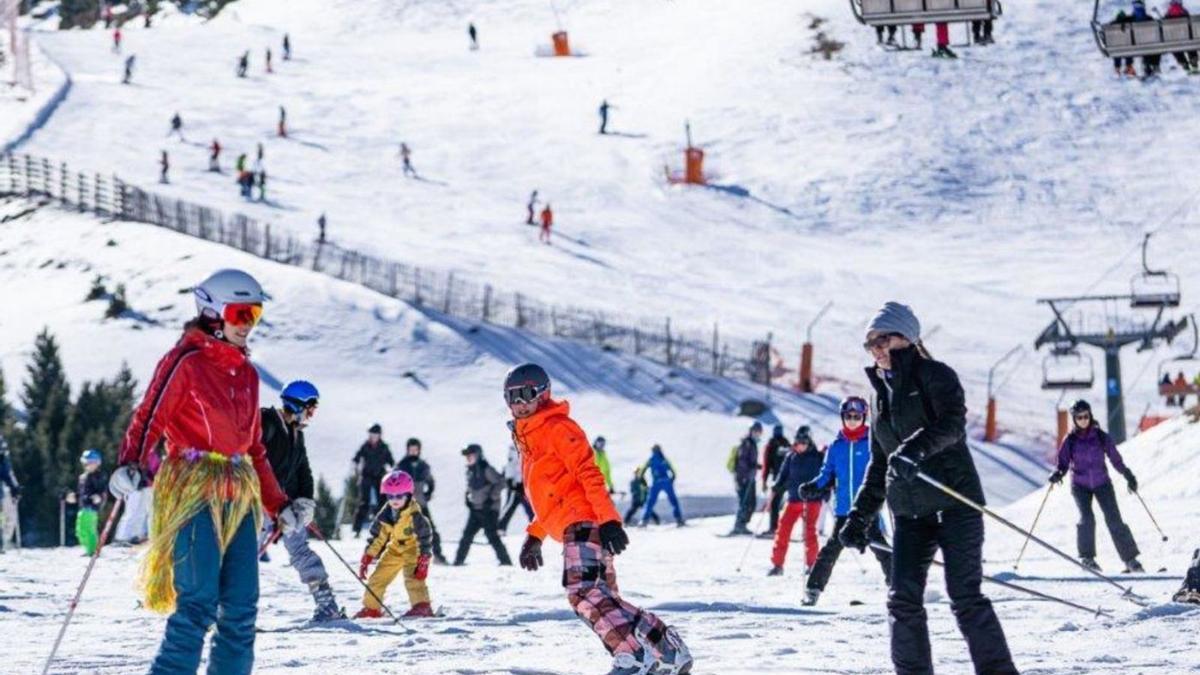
(1153, 288)
(1067, 368)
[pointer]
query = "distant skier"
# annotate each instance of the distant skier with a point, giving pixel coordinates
(1083, 452)
(516, 490)
(484, 485)
(287, 47)
(214, 156)
(176, 127)
(262, 184)
(282, 129)
(129, 60)
(803, 463)
(474, 35)
(572, 506)
(243, 64)
(8, 498)
(1190, 590)
(116, 39)
(774, 453)
(164, 165)
(108, 16)
(371, 463)
(547, 224)
(240, 165)
(533, 202)
(663, 480)
(745, 465)
(604, 108)
(638, 491)
(89, 495)
(600, 454)
(401, 539)
(259, 155)
(268, 61)
(321, 229)
(245, 181)
(423, 484)
(406, 157)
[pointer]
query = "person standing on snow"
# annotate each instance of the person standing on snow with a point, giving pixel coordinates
(8, 498)
(744, 468)
(802, 464)
(845, 468)
(164, 165)
(287, 47)
(604, 108)
(176, 127)
(129, 60)
(406, 156)
(571, 505)
(214, 486)
(547, 223)
(268, 61)
(243, 64)
(516, 490)
(403, 536)
(533, 202)
(116, 47)
(663, 480)
(774, 454)
(638, 490)
(474, 35)
(214, 155)
(371, 463)
(1083, 452)
(484, 485)
(283, 437)
(601, 455)
(920, 426)
(89, 494)
(422, 476)
(282, 128)
(321, 229)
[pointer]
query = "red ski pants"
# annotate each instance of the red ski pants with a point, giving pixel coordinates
(943, 35)
(810, 512)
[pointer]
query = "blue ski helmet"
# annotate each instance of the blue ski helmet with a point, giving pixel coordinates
(91, 456)
(299, 395)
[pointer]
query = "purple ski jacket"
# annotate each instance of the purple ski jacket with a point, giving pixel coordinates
(1083, 452)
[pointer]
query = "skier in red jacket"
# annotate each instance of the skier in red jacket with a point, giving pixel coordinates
(213, 485)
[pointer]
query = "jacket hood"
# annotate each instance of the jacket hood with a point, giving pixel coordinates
(222, 353)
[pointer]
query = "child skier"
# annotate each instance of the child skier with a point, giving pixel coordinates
(571, 505)
(402, 535)
(90, 495)
(638, 489)
(547, 224)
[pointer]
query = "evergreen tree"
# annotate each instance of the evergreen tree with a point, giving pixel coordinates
(350, 494)
(327, 510)
(46, 375)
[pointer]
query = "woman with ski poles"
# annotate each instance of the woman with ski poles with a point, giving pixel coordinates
(920, 425)
(212, 488)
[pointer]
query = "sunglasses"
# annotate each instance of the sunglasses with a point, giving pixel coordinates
(880, 341)
(853, 416)
(242, 314)
(525, 393)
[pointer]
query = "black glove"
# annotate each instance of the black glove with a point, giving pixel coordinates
(531, 554)
(904, 464)
(854, 533)
(613, 538)
(1131, 480)
(1056, 477)
(810, 492)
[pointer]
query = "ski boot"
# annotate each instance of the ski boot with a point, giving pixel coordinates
(421, 610)
(368, 613)
(769, 534)
(680, 522)
(1132, 566)
(327, 608)
(775, 572)
(1190, 590)
(1090, 563)
(740, 531)
(944, 52)
(439, 559)
(632, 663)
(675, 659)
(810, 597)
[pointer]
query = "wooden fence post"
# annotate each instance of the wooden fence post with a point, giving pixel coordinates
(417, 285)
(637, 342)
(449, 292)
(715, 355)
(487, 302)
(670, 355)
(520, 312)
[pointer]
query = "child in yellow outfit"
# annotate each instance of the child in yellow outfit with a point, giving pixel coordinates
(403, 536)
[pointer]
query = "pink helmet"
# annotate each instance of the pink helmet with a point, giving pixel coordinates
(396, 484)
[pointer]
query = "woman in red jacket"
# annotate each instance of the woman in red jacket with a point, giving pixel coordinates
(213, 485)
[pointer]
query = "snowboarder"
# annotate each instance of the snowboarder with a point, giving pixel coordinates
(474, 35)
(282, 129)
(422, 476)
(803, 463)
(601, 456)
(129, 60)
(1083, 452)
(214, 486)
(604, 108)
(406, 156)
(287, 47)
(638, 491)
(403, 536)
(268, 61)
(547, 224)
(774, 453)
(176, 127)
(745, 464)
(164, 165)
(1190, 590)
(9, 498)
(533, 202)
(321, 229)
(243, 63)
(572, 506)
(516, 490)
(662, 476)
(214, 156)
(89, 495)
(283, 438)
(116, 40)
(845, 468)
(920, 426)
(484, 485)
(371, 464)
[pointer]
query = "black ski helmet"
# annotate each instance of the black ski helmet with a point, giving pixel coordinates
(1081, 406)
(525, 383)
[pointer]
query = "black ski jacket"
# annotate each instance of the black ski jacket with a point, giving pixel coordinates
(375, 460)
(920, 407)
(422, 477)
(287, 455)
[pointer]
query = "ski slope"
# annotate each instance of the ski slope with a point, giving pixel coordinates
(967, 188)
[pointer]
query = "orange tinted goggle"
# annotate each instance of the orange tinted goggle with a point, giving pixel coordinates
(243, 314)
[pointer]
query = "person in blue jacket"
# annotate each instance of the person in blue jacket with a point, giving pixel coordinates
(662, 476)
(845, 467)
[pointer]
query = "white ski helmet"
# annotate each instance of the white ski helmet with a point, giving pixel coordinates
(227, 287)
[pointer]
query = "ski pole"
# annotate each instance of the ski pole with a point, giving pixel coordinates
(1033, 526)
(112, 518)
(1127, 593)
(752, 538)
(17, 510)
(271, 539)
(312, 527)
(1099, 611)
(1143, 501)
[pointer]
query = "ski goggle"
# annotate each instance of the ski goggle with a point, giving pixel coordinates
(525, 393)
(854, 405)
(853, 416)
(295, 405)
(242, 314)
(880, 341)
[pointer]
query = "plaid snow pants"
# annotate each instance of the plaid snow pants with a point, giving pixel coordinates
(591, 583)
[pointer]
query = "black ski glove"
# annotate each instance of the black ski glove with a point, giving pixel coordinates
(854, 533)
(1056, 477)
(1131, 480)
(613, 538)
(531, 554)
(905, 464)
(810, 492)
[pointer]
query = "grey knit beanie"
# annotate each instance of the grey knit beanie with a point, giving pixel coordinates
(894, 317)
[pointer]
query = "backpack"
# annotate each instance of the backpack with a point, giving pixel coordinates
(731, 462)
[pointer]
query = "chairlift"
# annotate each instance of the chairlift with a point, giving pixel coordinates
(1068, 368)
(1188, 364)
(1145, 38)
(903, 12)
(1153, 288)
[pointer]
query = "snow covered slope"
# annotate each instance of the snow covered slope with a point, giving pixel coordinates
(967, 188)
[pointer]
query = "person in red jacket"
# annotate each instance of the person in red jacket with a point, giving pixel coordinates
(571, 504)
(547, 223)
(213, 486)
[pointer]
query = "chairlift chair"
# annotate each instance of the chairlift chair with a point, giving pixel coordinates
(1153, 288)
(1068, 369)
(903, 12)
(1145, 38)
(1188, 363)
